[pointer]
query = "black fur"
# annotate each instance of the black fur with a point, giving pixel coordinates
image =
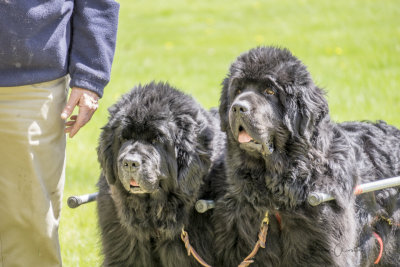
(162, 140)
(269, 97)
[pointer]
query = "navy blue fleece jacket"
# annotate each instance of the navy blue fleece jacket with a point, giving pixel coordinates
(42, 40)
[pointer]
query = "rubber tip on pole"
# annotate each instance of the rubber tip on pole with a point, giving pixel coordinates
(73, 202)
(314, 199)
(201, 206)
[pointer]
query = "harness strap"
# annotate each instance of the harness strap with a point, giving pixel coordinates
(190, 249)
(262, 237)
(380, 249)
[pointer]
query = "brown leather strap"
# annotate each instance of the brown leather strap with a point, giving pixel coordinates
(262, 237)
(190, 249)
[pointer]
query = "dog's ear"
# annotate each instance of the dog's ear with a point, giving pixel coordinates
(191, 171)
(304, 110)
(224, 103)
(106, 153)
(193, 152)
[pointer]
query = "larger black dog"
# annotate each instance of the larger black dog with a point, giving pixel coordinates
(282, 145)
(159, 153)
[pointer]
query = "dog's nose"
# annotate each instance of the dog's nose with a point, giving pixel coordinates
(131, 163)
(240, 107)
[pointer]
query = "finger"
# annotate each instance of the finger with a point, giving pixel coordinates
(67, 130)
(69, 107)
(69, 123)
(72, 120)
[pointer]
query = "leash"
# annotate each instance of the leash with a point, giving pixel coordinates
(191, 250)
(379, 239)
(262, 236)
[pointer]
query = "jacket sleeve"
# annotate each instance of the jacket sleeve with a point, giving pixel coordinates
(94, 26)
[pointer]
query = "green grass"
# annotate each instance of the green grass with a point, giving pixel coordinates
(352, 49)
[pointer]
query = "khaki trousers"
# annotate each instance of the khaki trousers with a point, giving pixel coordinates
(32, 164)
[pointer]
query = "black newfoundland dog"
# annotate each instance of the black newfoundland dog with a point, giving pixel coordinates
(282, 145)
(159, 152)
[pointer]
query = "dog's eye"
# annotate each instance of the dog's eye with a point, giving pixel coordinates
(238, 91)
(269, 91)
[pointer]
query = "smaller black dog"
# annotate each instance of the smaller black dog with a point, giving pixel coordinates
(159, 153)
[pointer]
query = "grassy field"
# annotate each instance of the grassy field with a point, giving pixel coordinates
(352, 49)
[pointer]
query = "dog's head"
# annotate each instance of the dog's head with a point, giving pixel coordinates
(146, 156)
(269, 98)
(156, 140)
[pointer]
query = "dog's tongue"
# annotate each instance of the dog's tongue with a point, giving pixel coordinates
(244, 137)
(133, 183)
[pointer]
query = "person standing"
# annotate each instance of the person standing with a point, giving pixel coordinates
(46, 47)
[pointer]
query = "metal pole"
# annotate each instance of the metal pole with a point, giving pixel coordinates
(76, 201)
(314, 199)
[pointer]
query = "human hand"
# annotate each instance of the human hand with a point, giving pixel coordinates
(87, 101)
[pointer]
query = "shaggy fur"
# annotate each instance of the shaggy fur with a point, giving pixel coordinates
(159, 153)
(282, 145)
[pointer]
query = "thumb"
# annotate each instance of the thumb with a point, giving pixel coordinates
(69, 107)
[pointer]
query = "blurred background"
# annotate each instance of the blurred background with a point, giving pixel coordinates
(351, 48)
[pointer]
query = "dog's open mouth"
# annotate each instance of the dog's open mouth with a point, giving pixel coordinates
(135, 187)
(247, 142)
(244, 137)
